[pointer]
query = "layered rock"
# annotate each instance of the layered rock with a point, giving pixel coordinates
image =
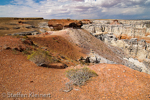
(130, 36)
(134, 48)
(133, 28)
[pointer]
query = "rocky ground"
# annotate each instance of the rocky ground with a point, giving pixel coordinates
(68, 48)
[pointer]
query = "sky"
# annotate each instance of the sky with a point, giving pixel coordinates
(76, 9)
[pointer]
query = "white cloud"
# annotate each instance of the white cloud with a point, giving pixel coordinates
(75, 8)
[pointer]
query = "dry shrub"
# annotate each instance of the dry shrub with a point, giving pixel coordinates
(80, 76)
(40, 57)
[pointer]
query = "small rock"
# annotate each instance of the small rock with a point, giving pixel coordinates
(76, 89)
(4, 28)
(42, 30)
(25, 33)
(16, 27)
(6, 48)
(30, 26)
(133, 41)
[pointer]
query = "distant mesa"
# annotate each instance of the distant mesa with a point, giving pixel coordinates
(23, 18)
(59, 24)
(115, 22)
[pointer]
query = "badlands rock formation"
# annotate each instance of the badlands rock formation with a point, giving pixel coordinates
(130, 36)
(129, 27)
(96, 51)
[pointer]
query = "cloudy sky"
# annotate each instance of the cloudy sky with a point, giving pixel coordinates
(76, 9)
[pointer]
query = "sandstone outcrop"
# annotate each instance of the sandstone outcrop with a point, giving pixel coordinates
(59, 24)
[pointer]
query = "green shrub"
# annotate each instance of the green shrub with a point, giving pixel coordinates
(40, 57)
(80, 76)
(25, 37)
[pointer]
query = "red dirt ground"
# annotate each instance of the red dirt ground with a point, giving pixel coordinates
(11, 42)
(60, 45)
(17, 74)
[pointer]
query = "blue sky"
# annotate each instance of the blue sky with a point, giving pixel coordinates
(4, 2)
(76, 9)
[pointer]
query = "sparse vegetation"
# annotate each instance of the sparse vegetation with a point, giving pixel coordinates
(40, 57)
(27, 51)
(14, 51)
(25, 37)
(80, 76)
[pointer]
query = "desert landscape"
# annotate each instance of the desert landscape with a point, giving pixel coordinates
(65, 59)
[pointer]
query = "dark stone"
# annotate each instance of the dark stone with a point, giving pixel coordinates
(30, 26)
(29, 42)
(59, 24)
(16, 27)
(25, 33)
(87, 60)
(6, 48)
(56, 65)
(4, 28)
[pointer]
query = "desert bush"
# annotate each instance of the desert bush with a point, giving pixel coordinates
(68, 87)
(80, 76)
(27, 51)
(40, 57)
(25, 37)
(14, 51)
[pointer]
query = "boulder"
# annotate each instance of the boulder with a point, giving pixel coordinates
(94, 59)
(43, 25)
(59, 24)
(30, 26)
(42, 30)
(133, 41)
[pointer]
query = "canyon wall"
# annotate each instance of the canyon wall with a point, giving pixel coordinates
(131, 28)
(132, 36)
